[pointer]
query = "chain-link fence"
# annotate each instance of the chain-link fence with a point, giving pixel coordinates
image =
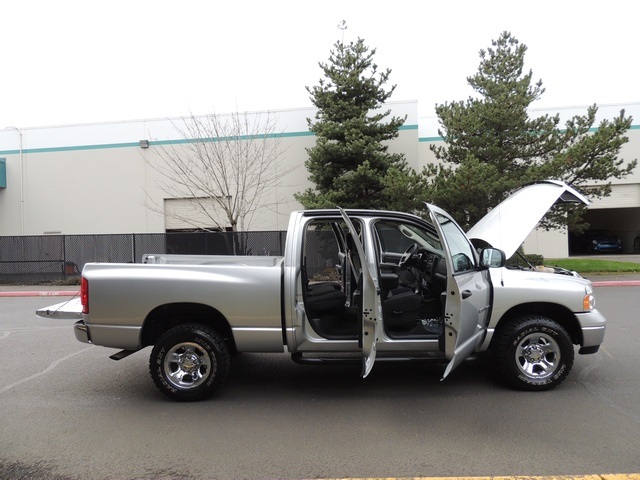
(53, 258)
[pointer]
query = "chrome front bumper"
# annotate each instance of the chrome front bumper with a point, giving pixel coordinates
(593, 326)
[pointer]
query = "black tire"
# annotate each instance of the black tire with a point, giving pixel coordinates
(189, 362)
(533, 353)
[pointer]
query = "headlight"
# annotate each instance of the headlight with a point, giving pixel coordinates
(589, 301)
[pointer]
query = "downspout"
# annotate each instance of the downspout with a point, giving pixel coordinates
(21, 151)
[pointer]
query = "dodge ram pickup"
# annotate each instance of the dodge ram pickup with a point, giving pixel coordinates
(352, 285)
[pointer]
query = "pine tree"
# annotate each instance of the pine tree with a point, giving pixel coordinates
(350, 165)
(493, 144)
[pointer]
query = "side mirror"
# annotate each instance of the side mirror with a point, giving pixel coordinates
(492, 258)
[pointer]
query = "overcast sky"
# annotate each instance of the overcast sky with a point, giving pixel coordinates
(68, 61)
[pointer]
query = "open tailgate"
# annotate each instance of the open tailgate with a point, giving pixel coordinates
(69, 310)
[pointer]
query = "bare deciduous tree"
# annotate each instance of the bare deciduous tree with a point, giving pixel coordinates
(225, 166)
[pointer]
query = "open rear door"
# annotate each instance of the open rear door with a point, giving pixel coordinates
(371, 311)
(468, 293)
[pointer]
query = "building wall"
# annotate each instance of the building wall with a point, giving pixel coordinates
(96, 178)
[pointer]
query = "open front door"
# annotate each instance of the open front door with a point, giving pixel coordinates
(468, 293)
(371, 311)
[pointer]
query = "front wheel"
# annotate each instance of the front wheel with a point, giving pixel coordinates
(189, 362)
(533, 353)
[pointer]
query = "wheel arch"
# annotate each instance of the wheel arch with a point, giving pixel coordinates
(167, 316)
(559, 313)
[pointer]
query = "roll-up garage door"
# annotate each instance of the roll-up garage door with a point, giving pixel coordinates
(193, 213)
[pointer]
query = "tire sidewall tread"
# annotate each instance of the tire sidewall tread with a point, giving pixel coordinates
(205, 337)
(510, 336)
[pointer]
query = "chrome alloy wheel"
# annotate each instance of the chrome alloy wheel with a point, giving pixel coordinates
(538, 356)
(187, 365)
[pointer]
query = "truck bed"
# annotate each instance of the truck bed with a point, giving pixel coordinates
(246, 260)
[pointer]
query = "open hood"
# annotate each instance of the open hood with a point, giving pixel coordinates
(507, 225)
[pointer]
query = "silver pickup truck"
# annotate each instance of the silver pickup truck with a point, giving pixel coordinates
(353, 285)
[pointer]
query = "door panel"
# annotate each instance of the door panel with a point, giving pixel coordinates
(371, 309)
(466, 316)
(468, 292)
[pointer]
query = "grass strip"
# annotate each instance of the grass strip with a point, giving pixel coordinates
(585, 265)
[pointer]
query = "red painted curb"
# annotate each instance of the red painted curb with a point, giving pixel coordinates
(40, 293)
(617, 283)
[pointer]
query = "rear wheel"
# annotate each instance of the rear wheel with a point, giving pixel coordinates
(189, 362)
(533, 353)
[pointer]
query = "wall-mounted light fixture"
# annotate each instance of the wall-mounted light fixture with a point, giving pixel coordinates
(144, 143)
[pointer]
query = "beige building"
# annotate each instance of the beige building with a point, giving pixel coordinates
(98, 178)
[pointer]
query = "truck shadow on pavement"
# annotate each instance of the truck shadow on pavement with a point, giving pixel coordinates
(274, 375)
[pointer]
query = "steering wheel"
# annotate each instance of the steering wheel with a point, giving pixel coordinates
(408, 255)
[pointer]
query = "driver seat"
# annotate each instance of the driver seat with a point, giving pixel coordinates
(401, 305)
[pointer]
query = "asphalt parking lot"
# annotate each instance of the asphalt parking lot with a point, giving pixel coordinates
(70, 412)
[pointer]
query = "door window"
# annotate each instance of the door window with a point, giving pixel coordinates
(321, 256)
(396, 237)
(462, 252)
